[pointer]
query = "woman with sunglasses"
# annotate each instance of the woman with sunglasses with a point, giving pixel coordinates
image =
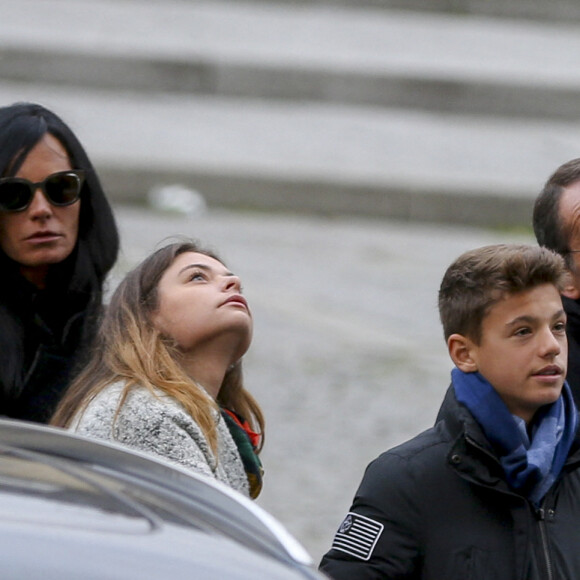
(167, 375)
(58, 241)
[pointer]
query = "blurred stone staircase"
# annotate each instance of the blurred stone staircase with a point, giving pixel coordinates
(450, 115)
(547, 10)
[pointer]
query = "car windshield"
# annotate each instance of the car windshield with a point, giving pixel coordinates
(50, 496)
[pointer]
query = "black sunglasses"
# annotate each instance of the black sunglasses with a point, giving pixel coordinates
(62, 188)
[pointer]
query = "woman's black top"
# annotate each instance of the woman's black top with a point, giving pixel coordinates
(44, 336)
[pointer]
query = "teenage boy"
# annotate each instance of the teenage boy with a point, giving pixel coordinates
(493, 490)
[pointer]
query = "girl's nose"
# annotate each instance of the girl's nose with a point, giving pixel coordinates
(233, 282)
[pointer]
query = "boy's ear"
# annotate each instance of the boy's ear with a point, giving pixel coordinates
(461, 353)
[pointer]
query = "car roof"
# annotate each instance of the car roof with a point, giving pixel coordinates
(67, 500)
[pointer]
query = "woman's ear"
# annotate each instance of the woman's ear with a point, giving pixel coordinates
(461, 350)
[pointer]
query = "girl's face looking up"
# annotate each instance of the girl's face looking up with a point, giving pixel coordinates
(200, 305)
(42, 234)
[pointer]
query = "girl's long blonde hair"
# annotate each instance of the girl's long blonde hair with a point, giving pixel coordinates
(130, 349)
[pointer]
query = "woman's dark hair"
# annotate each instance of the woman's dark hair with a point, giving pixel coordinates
(22, 126)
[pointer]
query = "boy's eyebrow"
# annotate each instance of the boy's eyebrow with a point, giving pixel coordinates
(202, 267)
(529, 319)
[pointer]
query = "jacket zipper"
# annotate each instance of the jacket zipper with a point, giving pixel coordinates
(541, 515)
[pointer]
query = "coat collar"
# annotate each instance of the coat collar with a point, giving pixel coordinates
(471, 454)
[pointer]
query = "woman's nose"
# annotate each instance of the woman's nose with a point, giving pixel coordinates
(39, 206)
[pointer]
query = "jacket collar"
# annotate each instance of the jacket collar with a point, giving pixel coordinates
(471, 454)
(460, 422)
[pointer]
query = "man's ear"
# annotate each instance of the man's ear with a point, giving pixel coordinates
(461, 353)
(570, 289)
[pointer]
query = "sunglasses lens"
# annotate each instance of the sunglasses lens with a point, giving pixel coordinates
(14, 196)
(63, 189)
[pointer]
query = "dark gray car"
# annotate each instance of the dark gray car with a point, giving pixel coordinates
(75, 508)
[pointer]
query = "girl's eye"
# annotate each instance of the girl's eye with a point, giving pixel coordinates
(560, 327)
(197, 276)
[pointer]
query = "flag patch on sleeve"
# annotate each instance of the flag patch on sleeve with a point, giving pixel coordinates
(357, 536)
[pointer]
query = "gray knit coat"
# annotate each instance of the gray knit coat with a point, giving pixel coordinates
(160, 425)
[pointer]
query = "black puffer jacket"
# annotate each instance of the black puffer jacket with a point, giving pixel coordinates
(572, 308)
(439, 508)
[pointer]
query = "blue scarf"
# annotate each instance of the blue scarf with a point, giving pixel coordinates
(530, 467)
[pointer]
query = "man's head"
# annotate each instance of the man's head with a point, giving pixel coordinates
(502, 316)
(556, 219)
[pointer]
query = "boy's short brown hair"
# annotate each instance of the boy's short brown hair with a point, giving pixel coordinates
(479, 278)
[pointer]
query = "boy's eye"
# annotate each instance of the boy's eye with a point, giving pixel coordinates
(522, 332)
(560, 327)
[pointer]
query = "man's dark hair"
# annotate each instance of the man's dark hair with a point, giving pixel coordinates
(549, 228)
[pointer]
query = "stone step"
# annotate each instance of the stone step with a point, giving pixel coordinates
(304, 52)
(310, 108)
(309, 157)
(555, 10)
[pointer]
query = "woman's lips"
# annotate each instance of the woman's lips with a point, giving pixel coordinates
(43, 237)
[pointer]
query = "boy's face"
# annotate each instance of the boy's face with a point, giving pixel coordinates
(523, 350)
